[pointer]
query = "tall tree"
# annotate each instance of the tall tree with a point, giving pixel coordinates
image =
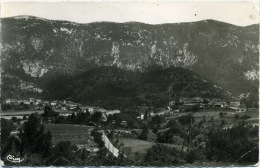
(144, 134)
(33, 137)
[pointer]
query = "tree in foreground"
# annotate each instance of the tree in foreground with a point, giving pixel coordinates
(162, 155)
(33, 137)
(233, 145)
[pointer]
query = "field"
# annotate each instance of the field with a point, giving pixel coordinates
(136, 145)
(20, 113)
(76, 134)
(28, 112)
(229, 117)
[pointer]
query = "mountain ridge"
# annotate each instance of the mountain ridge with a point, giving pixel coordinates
(56, 20)
(225, 54)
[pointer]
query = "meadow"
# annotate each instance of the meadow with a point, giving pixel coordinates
(136, 145)
(76, 134)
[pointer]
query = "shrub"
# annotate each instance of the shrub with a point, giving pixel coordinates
(237, 116)
(230, 145)
(161, 155)
(196, 155)
(245, 117)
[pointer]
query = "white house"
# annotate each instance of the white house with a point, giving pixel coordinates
(234, 105)
(172, 103)
(219, 104)
(87, 108)
(54, 103)
(8, 101)
(113, 112)
(32, 100)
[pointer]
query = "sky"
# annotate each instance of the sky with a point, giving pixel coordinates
(237, 13)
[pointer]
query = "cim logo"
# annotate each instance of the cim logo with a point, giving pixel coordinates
(11, 158)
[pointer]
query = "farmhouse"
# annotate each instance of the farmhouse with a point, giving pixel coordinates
(10, 101)
(124, 123)
(45, 102)
(196, 100)
(234, 105)
(101, 110)
(64, 107)
(38, 101)
(185, 100)
(111, 112)
(14, 134)
(141, 116)
(54, 103)
(32, 100)
(219, 104)
(242, 107)
(26, 102)
(164, 112)
(87, 109)
(215, 100)
(172, 103)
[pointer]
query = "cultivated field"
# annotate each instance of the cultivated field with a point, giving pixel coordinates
(228, 117)
(76, 134)
(136, 145)
(20, 113)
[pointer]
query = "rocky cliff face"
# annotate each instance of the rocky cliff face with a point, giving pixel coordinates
(35, 50)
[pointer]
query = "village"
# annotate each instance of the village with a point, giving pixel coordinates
(20, 108)
(129, 130)
(64, 107)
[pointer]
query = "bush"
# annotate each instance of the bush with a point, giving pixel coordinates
(221, 114)
(174, 129)
(97, 138)
(161, 155)
(186, 119)
(232, 144)
(245, 117)
(144, 134)
(177, 140)
(14, 119)
(63, 154)
(5, 107)
(237, 116)
(196, 155)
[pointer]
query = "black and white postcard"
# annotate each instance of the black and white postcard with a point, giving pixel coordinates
(134, 83)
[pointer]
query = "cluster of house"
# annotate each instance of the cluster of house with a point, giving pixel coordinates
(183, 104)
(30, 101)
(65, 105)
(64, 108)
(62, 105)
(186, 104)
(77, 107)
(123, 123)
(203, 103)
(20, 104)
(105, 113)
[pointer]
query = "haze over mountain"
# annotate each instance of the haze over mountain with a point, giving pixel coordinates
(35, 51)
